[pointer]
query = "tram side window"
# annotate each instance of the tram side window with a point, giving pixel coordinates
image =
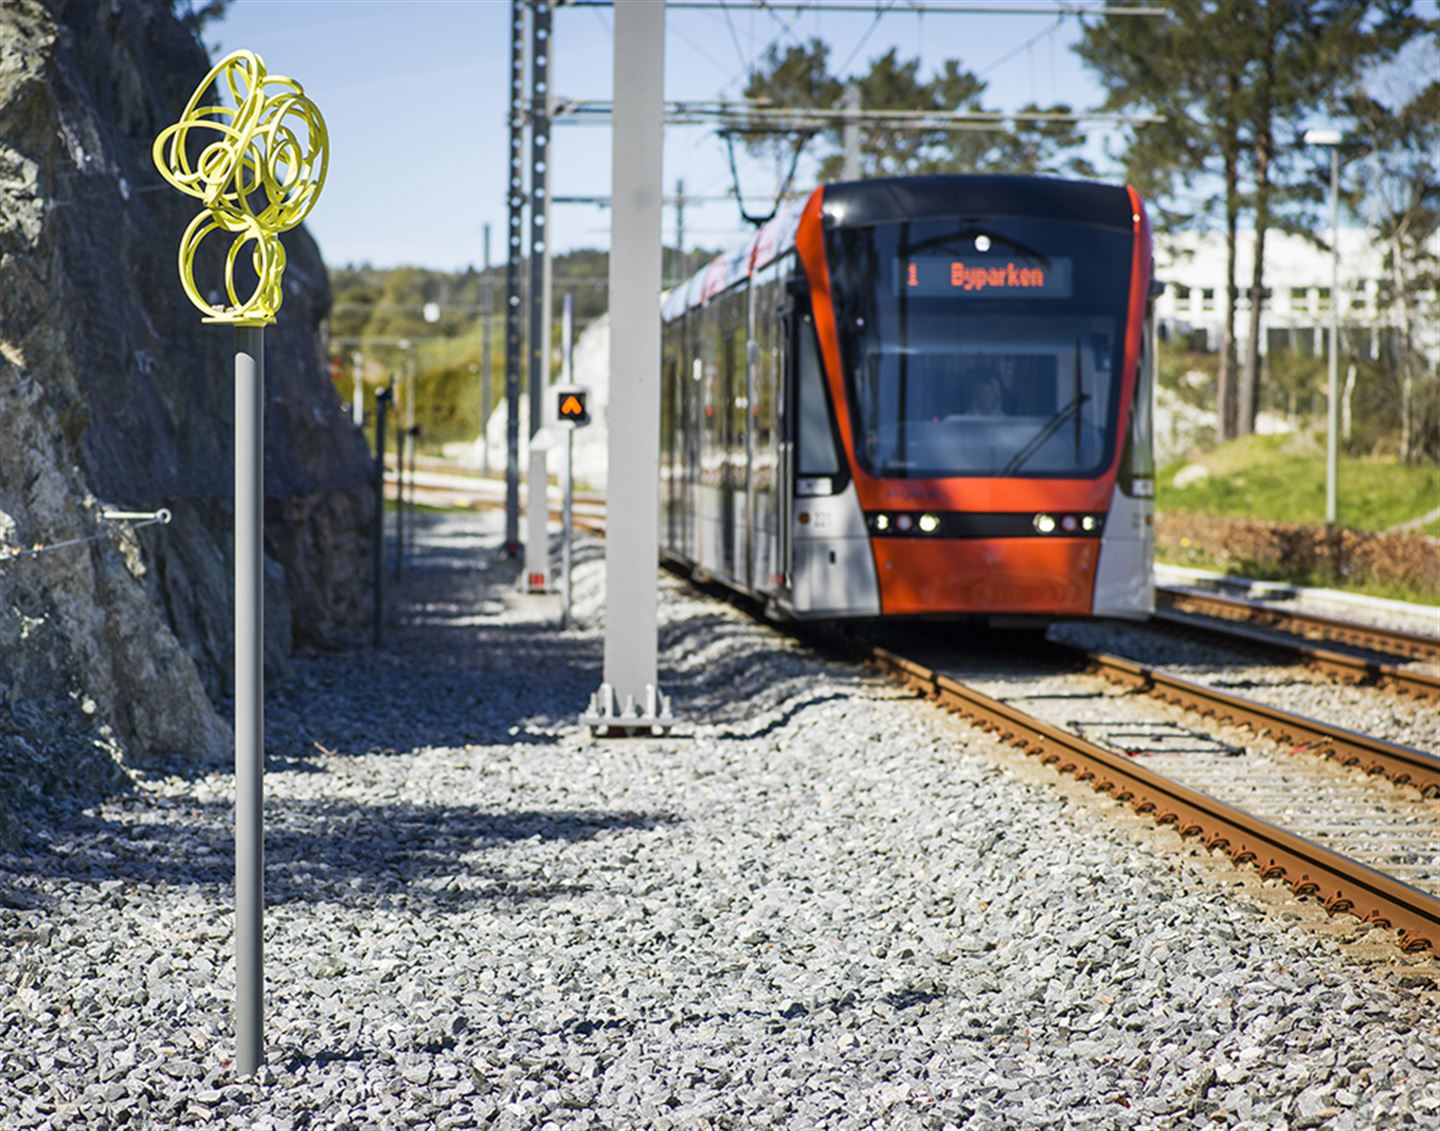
(817, 440)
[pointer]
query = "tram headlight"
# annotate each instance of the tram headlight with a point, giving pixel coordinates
(1069, 524)
(1089, 523)
(904, 523)
(929, 523)
(882, 522)
(1045, 523)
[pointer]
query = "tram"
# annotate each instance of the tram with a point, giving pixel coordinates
(919, 397)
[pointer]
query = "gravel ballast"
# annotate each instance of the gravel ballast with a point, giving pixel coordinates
(829, 905)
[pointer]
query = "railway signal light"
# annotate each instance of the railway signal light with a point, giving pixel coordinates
(572, 405)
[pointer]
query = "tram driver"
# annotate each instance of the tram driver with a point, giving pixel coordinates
(987, 394)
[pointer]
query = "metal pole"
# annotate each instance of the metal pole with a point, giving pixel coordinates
(629, 697)
(383, 397)
(407, 481)
(399, 386)
(850, 134)
(513, 311)
(567, 340)
(1332, 444)
(537, 557)
(680, 230)
(357, 392)
(485, 406)
(567, 515)
(249, 698)
(567, 521)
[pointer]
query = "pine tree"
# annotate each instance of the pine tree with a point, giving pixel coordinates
(1398, 149)
(1236, 81)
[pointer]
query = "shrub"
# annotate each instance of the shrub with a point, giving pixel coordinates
(1311, 555)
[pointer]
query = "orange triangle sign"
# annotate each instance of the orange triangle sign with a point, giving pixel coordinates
(571, 406)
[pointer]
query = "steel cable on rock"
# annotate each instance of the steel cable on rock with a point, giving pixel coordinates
(136, 519)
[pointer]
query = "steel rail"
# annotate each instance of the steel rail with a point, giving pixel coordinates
(1403, 765)
(1338, 665)
(1340, 883)
(1390, 641)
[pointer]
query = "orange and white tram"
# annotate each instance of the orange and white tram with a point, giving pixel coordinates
(919, 396)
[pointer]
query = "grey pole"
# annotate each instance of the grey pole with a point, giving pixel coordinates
(399, 386)
(567, 515)
(249, 698)
(629, 698)
(485, 406)
(357, 391)
(681, 274)
(513, 310)
(537, 557)
(850, 134)
(383, 398)
(1332, 444)
(412, 445)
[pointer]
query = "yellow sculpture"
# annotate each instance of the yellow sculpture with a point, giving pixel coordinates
(258, 175)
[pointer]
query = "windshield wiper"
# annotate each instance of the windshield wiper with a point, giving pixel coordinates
(1051, 426)
(1048, 429)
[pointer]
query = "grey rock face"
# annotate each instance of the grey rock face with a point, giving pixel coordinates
(113, 394)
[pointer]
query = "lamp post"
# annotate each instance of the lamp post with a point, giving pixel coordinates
(1332, 440)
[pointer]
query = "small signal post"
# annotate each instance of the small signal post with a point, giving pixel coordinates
(572, 411)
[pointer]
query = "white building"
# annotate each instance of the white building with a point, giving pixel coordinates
(1297, 284)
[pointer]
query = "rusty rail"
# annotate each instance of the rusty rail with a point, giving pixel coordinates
(1404, 765)
(1338, 665)
(1389, 641)
(1341, 884)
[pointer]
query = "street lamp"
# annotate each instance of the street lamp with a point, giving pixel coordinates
(1332, 448)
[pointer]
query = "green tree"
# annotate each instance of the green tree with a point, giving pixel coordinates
(1189, 71)
(1397, 147)
(1236, 81)
(799, 78)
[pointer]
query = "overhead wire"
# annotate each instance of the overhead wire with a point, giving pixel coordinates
(1000, 62)
(735, 38)
(865, 38)
(785, 29)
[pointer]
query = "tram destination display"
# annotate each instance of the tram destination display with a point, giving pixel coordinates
(982, 276)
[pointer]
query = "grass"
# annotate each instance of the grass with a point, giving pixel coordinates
(1282, 479)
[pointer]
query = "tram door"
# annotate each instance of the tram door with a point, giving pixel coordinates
(788, 326)
(692, 419)
(726, 409)
(765, 437)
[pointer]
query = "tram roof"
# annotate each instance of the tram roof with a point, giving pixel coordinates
(882, 200)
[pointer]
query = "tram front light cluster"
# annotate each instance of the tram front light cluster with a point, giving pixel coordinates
(1067, 523)
(905, 523)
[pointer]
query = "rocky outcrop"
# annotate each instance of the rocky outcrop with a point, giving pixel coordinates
(114, 395)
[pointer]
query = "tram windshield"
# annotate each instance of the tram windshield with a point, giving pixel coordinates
(984, 347)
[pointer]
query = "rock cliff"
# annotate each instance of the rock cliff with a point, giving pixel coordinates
(114, 395)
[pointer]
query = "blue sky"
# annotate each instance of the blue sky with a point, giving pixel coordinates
(413, 92)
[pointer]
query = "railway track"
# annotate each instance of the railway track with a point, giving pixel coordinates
(1341, 882)
(1300, 635)
(1398, 887)
(1387, 641)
